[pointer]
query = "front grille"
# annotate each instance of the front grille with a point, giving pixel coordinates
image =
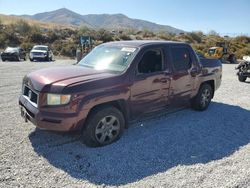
(37, 53)
(33, 97)
(8, 54)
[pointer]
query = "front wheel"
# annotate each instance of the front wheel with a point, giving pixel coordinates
(242, 78)
(203, 98)
(104, 126)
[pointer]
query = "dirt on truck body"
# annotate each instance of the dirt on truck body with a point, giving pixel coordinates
(115, 83)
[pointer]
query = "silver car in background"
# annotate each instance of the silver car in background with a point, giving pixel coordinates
(41, 52)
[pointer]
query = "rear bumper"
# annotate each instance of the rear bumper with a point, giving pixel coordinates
(48, 120)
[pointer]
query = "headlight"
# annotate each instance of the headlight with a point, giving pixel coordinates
(56, 99)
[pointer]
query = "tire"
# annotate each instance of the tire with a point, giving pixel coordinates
(242, 78)
(203, 98)
(31, 59)
(104, 126)
(3, 60)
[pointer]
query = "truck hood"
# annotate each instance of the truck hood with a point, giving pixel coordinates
(55, 79)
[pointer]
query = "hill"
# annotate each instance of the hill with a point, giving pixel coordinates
(97, 21)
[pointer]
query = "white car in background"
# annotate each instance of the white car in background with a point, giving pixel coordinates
(41, 52)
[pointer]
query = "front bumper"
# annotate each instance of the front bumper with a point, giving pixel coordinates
(9, 57)
(39, 56)
(48, 120)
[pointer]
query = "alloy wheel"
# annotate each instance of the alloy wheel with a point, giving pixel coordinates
(107, 129)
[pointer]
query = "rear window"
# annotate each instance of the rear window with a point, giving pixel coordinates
(181, 58)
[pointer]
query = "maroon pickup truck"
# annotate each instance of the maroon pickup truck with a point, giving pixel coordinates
(115, 83)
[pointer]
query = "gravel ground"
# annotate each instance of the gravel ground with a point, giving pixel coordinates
(182, 149)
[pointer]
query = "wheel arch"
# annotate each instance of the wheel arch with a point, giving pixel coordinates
(120, 104)
(211, 83)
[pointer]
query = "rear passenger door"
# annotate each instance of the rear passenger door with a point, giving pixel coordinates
(182, 82)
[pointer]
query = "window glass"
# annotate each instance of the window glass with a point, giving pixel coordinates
(151, 61)
(113, 58)
(181, 58)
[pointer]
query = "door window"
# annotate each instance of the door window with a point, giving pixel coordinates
(151, 62)
(181, 58)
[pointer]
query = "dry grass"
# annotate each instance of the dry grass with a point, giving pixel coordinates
(7, 20)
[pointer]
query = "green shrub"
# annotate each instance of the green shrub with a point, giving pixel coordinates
(23, 27)
(196, 36)
(37, 37)
(68, 49)
(124, 37)
(241, 52)
(104, 35)
(148, 34)
(27, 46)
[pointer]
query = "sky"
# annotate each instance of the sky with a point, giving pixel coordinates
(227, 17)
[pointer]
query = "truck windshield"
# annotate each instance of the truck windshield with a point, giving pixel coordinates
(111, 58)
(211, 51)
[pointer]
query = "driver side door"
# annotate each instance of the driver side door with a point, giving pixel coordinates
(151, 84)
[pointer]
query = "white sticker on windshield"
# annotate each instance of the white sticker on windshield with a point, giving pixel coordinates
(126, 49)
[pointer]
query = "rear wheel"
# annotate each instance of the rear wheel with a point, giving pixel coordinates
(104, 126)
(203, 98)
(31, 59)
(242, 78)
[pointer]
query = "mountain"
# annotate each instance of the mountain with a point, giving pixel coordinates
(60, 16)
(97, 21)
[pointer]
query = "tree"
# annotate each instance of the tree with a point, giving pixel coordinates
(213, 33)
(196, 36)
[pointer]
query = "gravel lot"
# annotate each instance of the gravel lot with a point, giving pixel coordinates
(182, 149)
